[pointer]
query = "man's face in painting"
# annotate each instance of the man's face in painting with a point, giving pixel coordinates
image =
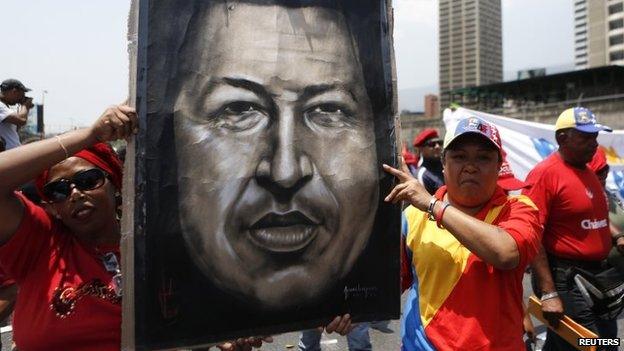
(275, 143)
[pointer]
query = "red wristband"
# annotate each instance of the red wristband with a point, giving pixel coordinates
(441, 214)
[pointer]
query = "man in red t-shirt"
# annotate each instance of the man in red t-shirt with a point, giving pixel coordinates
(573, 211)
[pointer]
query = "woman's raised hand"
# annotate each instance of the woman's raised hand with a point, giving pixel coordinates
(408, 189)
(117, 122)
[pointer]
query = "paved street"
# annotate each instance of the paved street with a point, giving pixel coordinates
(380, 341)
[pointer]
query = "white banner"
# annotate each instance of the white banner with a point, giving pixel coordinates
(527, 143)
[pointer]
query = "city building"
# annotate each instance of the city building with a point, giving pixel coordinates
(531, 73)
(542, 99)
(432, 106)
(598, 33)
(412, 123)
(470, 45)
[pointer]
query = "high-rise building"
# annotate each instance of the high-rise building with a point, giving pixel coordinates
(471, 45)
(432, 106)
(598, 33)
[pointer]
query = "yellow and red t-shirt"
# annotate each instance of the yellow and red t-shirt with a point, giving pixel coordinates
(573, 209)
(456, 300)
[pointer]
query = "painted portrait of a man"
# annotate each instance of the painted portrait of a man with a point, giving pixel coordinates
(267, 124)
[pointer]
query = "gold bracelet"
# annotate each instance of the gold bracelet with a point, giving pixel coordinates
(58, 138)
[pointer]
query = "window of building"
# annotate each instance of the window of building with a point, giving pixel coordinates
(615, 8)
(618, 55)
(615, 24)
(616, 39)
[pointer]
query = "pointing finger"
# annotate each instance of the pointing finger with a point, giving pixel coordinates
(395, 172)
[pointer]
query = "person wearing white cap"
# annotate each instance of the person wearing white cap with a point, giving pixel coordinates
(465, 249)
(12, 92)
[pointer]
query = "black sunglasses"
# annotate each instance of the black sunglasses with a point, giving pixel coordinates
(89, 179)
(433, 143)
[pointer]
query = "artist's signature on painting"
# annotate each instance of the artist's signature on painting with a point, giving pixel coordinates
(359, 292)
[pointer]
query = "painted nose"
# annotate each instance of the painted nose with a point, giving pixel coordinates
(288, 168)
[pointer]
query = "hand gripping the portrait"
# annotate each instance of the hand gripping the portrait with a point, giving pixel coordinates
(245, 344)
(408, 189)
(341, 325)
(117, 122)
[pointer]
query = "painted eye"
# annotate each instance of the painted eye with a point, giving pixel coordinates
(239, 107)
(240, 116)
(329, 115)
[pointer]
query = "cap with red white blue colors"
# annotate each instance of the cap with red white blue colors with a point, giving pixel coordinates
(580, 118)
(474, 125)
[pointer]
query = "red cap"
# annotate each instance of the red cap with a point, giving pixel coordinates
(599, 161)
(506, 178)
(425, 135)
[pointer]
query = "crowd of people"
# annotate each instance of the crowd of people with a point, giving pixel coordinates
(467, 236)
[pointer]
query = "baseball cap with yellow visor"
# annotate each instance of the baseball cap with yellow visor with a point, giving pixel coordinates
(581, 119)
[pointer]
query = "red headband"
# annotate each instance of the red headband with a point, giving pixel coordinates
(100, 155)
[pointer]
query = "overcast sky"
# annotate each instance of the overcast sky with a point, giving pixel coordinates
(76, 49)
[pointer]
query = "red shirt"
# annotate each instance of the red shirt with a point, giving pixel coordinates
(42, 256)
(573, 210)
(5, 280)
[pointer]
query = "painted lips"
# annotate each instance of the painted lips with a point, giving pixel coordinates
(288, 232)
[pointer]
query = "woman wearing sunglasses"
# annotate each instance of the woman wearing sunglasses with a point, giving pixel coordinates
(66, 259)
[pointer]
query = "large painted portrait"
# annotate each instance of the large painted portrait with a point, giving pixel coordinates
(259, 180)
